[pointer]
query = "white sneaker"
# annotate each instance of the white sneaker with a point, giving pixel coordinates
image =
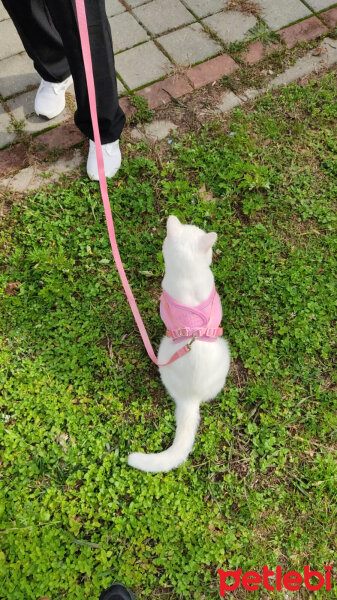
(50, 99)
(112, 160)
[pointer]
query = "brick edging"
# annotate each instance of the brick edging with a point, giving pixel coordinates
(19, 155)
(161, 93)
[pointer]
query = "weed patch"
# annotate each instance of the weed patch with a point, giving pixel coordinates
(78, 392)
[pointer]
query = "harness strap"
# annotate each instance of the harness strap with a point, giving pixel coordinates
(195, 333)
(85, 44)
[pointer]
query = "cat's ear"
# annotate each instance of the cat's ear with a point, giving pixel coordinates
(207, 241)
(173, 226)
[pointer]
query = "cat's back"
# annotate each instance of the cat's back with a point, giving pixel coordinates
(202, 372)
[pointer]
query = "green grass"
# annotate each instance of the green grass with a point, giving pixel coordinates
(78, 392)
(143, 114)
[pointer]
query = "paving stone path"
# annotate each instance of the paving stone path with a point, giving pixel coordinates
(155, 40)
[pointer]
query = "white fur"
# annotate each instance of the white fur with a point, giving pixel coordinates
(199, 375)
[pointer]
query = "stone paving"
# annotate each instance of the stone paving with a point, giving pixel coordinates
(25, 170)
(154, 39)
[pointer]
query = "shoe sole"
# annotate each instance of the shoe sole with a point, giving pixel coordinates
(49, 117)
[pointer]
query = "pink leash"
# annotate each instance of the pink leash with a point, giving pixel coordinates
(84, 35)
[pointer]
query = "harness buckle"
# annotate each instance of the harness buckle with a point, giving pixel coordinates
(183, 332)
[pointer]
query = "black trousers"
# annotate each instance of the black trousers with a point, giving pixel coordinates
(49, 33)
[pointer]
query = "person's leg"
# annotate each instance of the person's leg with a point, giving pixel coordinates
(110, 116)
(40, 38)
(49, 32)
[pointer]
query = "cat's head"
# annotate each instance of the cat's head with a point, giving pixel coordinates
(187, 246)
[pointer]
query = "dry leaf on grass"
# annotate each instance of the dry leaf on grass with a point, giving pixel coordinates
(206, 196)
(11, 288)
(63, 439)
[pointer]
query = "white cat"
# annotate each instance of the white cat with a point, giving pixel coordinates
(200, 374)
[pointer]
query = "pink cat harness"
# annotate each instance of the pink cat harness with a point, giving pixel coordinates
(196, 322)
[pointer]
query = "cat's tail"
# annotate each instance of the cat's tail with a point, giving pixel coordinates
(187, 419)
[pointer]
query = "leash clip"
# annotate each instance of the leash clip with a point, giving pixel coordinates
(190, 343)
